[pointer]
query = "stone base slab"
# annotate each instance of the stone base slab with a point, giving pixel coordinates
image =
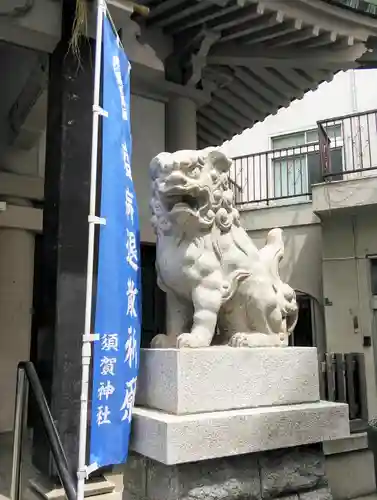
(183, 381)
(173, 439)
(291, 474)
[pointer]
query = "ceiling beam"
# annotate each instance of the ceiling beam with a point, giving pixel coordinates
(169, 20)
(320, 75)
(145, 80)
(208, 17)
(223, 109)
(275, 32)
(238, 105)
(239, 17)
(221, 3)
(259, 86)
(243, 28)
(224, 122)
(295, 37)
(208, 137)
(232, 54)
(326, 15)
(274, 80)
(297, 80)
(162, 10)
(321, 40)
(240, 87)
(212, 126)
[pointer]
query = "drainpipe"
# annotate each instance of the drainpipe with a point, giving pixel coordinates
(354, 103)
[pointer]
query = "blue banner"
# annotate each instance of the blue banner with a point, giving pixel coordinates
(118, 300)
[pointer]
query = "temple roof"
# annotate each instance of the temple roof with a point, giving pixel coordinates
(252, 57)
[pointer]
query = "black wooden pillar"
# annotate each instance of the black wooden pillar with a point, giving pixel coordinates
(65, 235)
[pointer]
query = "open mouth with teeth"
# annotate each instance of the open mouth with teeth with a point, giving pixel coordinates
(177, 200)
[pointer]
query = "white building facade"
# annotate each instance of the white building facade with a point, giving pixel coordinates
(276, 165)
(327, 206)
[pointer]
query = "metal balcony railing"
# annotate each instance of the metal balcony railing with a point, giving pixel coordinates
(348, 146)
(272, 176)
(340, 148)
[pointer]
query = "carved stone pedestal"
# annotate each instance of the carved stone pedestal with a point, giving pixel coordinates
(224, 423)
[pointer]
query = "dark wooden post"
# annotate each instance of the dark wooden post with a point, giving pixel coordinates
(65, 237)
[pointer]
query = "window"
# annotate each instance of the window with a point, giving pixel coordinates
(290, 176)
(296, 161)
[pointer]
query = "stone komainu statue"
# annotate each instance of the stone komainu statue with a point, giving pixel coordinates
(212, 273)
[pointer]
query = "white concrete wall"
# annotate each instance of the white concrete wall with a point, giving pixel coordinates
(16, 295)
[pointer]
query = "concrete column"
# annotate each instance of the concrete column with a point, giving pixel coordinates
(180, 124)
(16, 299)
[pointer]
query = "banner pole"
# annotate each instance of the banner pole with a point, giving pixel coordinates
(82, 472)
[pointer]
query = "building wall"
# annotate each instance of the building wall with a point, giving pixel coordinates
(347, 242)
(16, 293)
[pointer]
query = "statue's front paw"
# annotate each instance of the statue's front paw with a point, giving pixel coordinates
(191, 340)
(255, 339)
(240, 340)
(162, 341)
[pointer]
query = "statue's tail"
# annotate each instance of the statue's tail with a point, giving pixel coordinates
(273, 252)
